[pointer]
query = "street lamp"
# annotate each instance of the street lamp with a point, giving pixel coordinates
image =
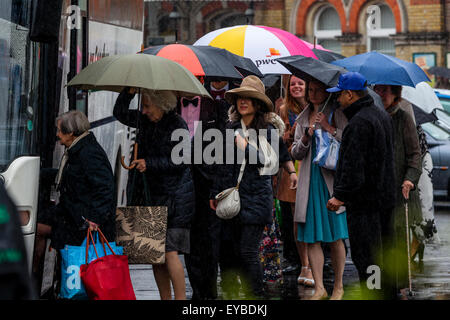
(174, 16)
(249, 13)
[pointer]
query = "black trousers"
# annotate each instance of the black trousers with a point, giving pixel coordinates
(288, 237)
(370, 234)
(203, 259)
(240, 246)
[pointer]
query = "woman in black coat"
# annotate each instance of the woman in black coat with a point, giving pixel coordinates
(254, 108)
(85, 183)
(167, 183)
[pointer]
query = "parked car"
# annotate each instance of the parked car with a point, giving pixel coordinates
(438, 139)
(444, 97)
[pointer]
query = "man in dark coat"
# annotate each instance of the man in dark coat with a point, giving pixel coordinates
(364, 181)
(15, 281)
(204, 257)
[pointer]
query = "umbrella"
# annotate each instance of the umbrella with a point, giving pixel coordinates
(421, 116)
(259, 43)
(309, 69)
(327, 56)
(440, 72)
(423, 96)
(202, 61)
(379, 68)
(114, 73)
(243, 64)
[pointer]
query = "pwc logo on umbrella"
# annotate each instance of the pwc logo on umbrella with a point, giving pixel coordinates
(273, 52)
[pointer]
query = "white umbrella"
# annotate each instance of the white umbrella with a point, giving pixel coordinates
(261, 44)
(422, 96)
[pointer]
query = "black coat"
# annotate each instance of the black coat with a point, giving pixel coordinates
(86, 192)
(255, 190)
(168, 183)
(364, 176)
(15, 280)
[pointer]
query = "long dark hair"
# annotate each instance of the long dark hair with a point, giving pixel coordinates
(259, 120)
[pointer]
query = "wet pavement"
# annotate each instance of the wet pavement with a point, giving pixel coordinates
(433, 282)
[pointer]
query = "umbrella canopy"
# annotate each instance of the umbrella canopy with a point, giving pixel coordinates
(421, 116)
(259, 43)
(440, 72)
(309, 69)
(423, 96)
(114, 73)
(327, 56)
(379, 68)
(202, 61)
(243, 64)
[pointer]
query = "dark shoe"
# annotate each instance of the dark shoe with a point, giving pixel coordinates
(291, 269)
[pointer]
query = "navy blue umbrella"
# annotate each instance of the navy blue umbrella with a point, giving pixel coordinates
(379, 68)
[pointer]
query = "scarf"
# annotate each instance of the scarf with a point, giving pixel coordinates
(65, 157)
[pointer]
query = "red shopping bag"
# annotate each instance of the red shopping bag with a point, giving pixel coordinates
(108, 277)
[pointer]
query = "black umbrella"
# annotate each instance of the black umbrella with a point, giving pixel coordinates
(327, 56)
(201, 61)
(421, 116)
(309, 69)
(244, 65)
(440, 72)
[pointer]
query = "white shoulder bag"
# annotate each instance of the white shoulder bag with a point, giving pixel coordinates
(229, 201)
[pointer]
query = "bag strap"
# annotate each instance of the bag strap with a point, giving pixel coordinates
(102, 240)
(244, 161)
(136, 173)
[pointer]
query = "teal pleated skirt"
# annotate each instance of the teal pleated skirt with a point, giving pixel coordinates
(321, 224)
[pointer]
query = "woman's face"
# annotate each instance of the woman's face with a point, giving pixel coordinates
(384, 91)
(153, 113)
(317, 92)
(245, 106)
(297, 87)
(65, 139)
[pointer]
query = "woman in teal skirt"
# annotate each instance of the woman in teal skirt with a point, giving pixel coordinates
(315, 223)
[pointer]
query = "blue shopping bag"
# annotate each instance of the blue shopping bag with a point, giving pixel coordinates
(327, 148)
(72, 257)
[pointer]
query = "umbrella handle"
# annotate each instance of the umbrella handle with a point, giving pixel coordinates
(122, 158)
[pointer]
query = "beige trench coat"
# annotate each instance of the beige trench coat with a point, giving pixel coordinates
(302, 152)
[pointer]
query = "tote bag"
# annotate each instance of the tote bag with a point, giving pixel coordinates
(141, 230)
(107, 277)
(72, 257)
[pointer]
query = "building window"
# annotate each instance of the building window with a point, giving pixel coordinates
(378, 38)
(327, 26)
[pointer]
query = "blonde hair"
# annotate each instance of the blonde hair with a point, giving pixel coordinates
(165, 100)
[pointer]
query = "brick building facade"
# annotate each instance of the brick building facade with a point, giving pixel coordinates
(407, 28)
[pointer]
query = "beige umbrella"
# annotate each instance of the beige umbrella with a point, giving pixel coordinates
(114, 73)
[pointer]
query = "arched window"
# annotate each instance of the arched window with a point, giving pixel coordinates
(378, 39)
(327, 26)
